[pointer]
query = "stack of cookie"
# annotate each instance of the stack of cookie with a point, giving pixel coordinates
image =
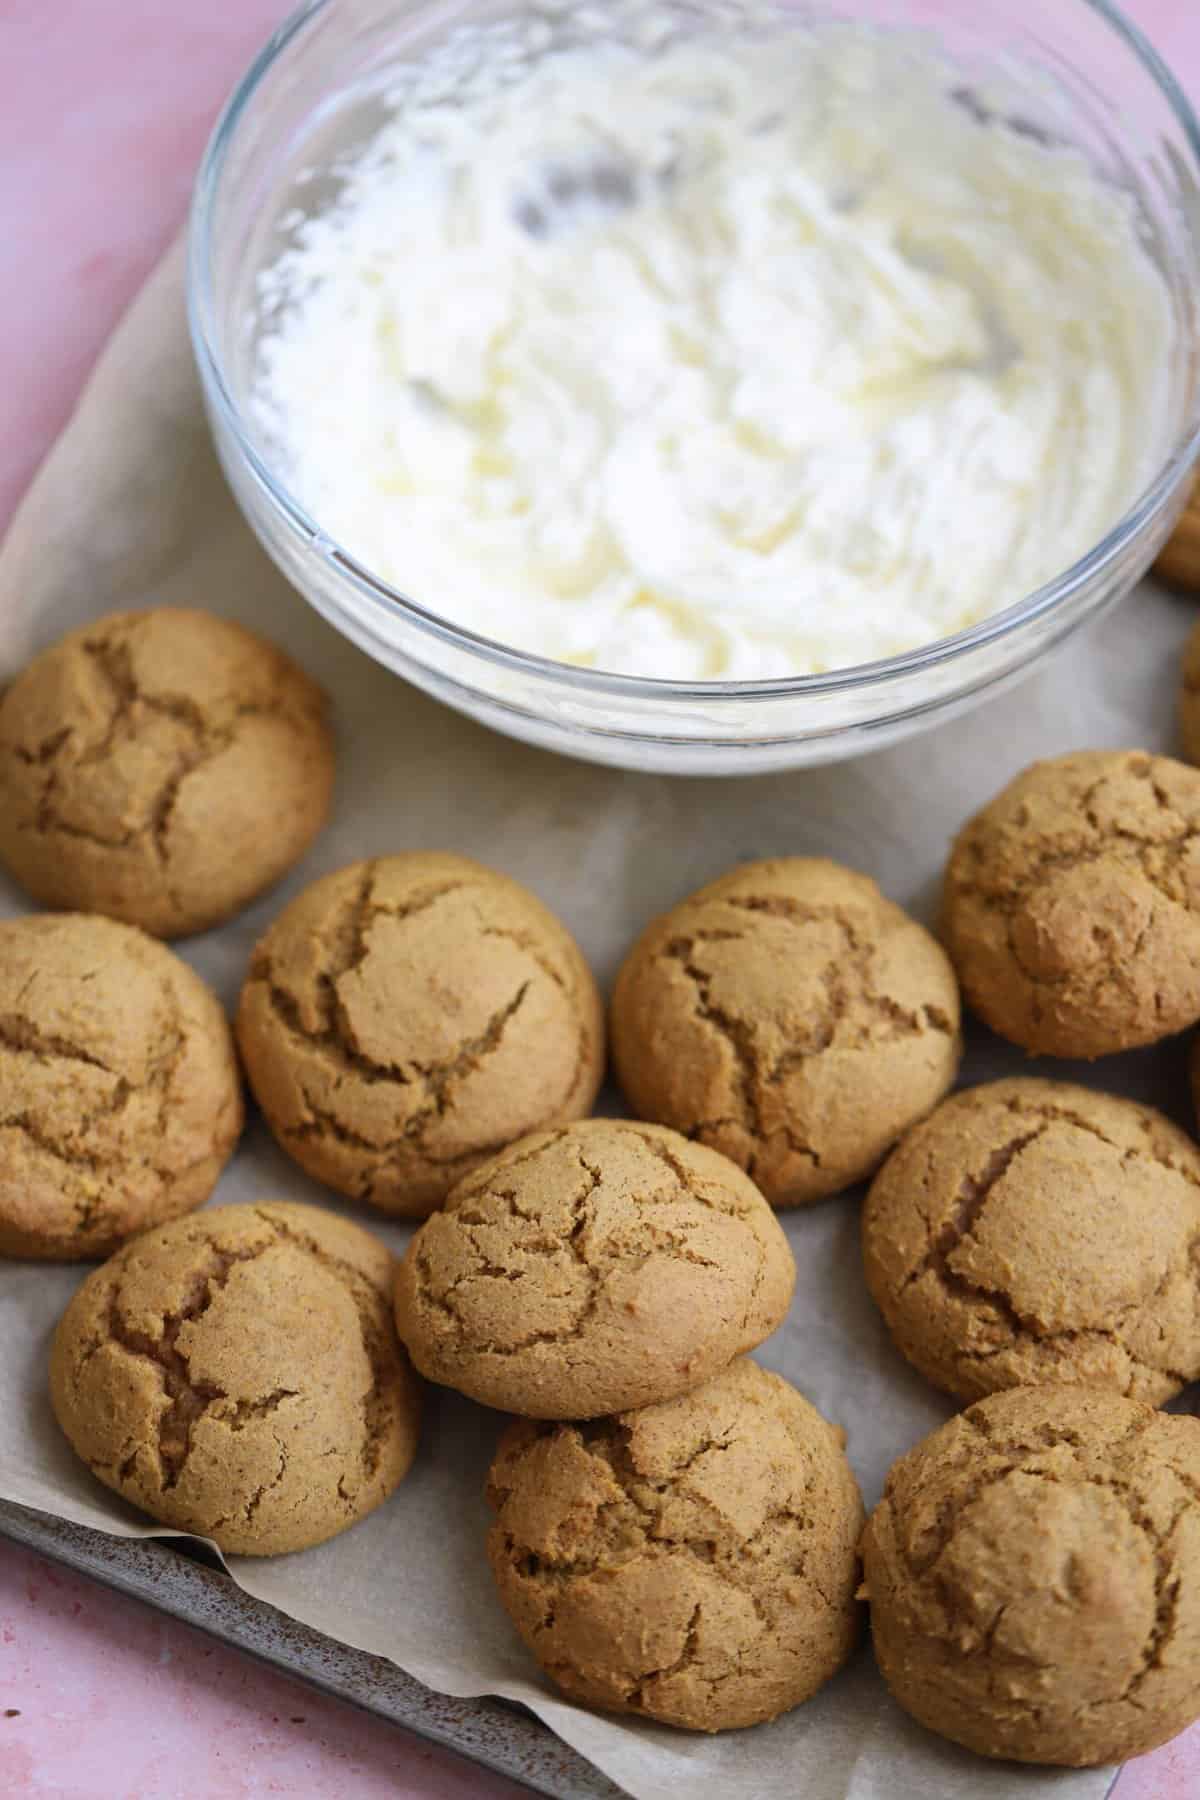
(676, 1530)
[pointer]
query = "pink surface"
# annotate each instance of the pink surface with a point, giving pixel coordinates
(106, 104)
(103, 1699)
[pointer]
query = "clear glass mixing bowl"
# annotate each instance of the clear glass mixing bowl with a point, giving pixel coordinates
(1084, 72)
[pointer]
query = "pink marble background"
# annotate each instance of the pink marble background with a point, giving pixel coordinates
(104, 108)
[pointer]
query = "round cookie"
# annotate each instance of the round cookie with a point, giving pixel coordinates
(406, 1018)
(1189, 691)
(1072, 904)
(597, 1267)
(1033, 1571)
(791, 1017)
(161, 767)
(1033, 1231)
(693, 1562)
(237, 1374)
(121, 1098)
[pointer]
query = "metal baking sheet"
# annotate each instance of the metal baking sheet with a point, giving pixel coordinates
(182, 1582)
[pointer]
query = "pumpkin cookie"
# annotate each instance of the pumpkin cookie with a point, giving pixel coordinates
(1072, 904)
(790, 1017)
(1032, 1231)
(237, 1375)
(162, 767)
(597, 1267)
(404, 1019)
(1033, 1571)
(693, 1562)
(1179, 559)
(1189, 696)
(121, 1099)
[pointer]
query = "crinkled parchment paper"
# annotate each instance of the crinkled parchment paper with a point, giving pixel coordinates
(131, 509)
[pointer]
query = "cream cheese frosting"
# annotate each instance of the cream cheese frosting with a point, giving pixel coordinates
(735, 361)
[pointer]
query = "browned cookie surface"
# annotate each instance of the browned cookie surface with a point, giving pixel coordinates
(1033, 1571)
(1032, 1231)
(601, 1266)
(694, 1562)
(405, 1018)
(237, 1374)
(163, 767)
(1071, 905)
(121, 1098)
(791, 1017)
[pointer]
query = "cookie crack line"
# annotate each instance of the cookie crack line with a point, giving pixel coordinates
(860, 956)
(750, 1075)
(376, 1405)
(438, 1079)
(732, 1029)
(526, 941)
(72, 1156)
(21, 1035)
(336, 1041)
(1113, 841)
(687, 1656)
(189, 1399)
(1052, 1114)
(352, 950)
(1166, 1581)
(686, 1180)
(572, 1242)
(735, 1562)
(645, 1239)
(247, 1513)
(209, 738)
(974, 1194)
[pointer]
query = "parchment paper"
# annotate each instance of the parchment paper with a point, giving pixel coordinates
(131, 509)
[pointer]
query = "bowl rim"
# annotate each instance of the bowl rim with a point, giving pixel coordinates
(1028, 610)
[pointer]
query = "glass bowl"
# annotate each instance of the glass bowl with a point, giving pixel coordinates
(1083, 72)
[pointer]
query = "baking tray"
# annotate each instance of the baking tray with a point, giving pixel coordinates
(178, 1577)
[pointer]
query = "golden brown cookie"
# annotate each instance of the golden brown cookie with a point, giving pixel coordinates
(693, 1562)
(1033, 1231)
(600, 1266)
(791, 1017)
(404, 1019)
(1179, 559)
(1189, 696)
(120, 1094)
(1034, 1576)
(162, 767)
(1072, 904)
(237, 1374)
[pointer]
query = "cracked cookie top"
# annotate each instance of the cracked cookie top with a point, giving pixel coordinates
(1033, 1571)
(1033, 1231)
(791, 1017)
(162, 767)
(601, 1266)
(237, 1375)
(1071, 906)
(404, 1019)
(694, 1562)
(119, 1093)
